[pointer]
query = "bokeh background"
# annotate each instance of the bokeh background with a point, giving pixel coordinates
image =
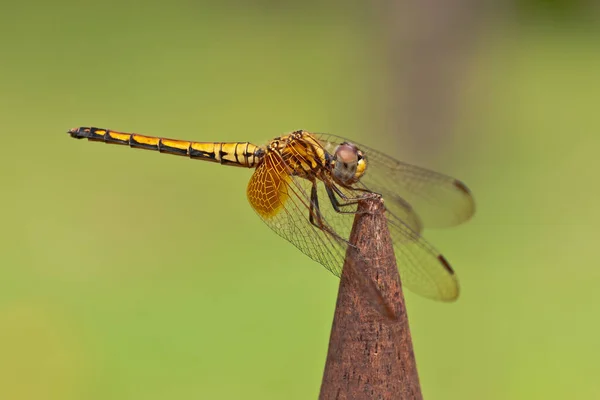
(131, 275)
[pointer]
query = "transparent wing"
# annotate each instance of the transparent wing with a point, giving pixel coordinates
(422, 268)
(437, 200)
(283, 202)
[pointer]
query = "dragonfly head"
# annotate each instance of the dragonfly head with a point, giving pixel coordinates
(349, 163)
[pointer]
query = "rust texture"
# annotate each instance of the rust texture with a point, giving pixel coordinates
(370, 352)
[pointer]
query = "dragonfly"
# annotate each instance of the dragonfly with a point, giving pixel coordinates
(306, 187)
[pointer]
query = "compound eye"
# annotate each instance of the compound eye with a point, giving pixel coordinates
(361, 165)
(346, 153)
(345, 163)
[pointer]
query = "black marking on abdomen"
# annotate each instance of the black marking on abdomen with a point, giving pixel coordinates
(137, 145)
(94, 135)
(110, 139)
(163, 148)
(201, 154)
(222, 154)
(227, 162)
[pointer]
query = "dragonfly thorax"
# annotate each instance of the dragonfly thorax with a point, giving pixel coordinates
(348, 164)
(302, 154)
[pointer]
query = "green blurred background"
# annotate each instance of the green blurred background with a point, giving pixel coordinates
(130, 275)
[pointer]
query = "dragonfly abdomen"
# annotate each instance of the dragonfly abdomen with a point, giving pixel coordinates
(242, 154)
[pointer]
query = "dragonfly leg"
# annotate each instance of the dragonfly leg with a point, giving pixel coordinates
(335, 203)
(332, 190)
(315, 217)
(350, 200)
(372, 292)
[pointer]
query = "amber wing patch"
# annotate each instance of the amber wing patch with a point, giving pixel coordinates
(268, 187)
